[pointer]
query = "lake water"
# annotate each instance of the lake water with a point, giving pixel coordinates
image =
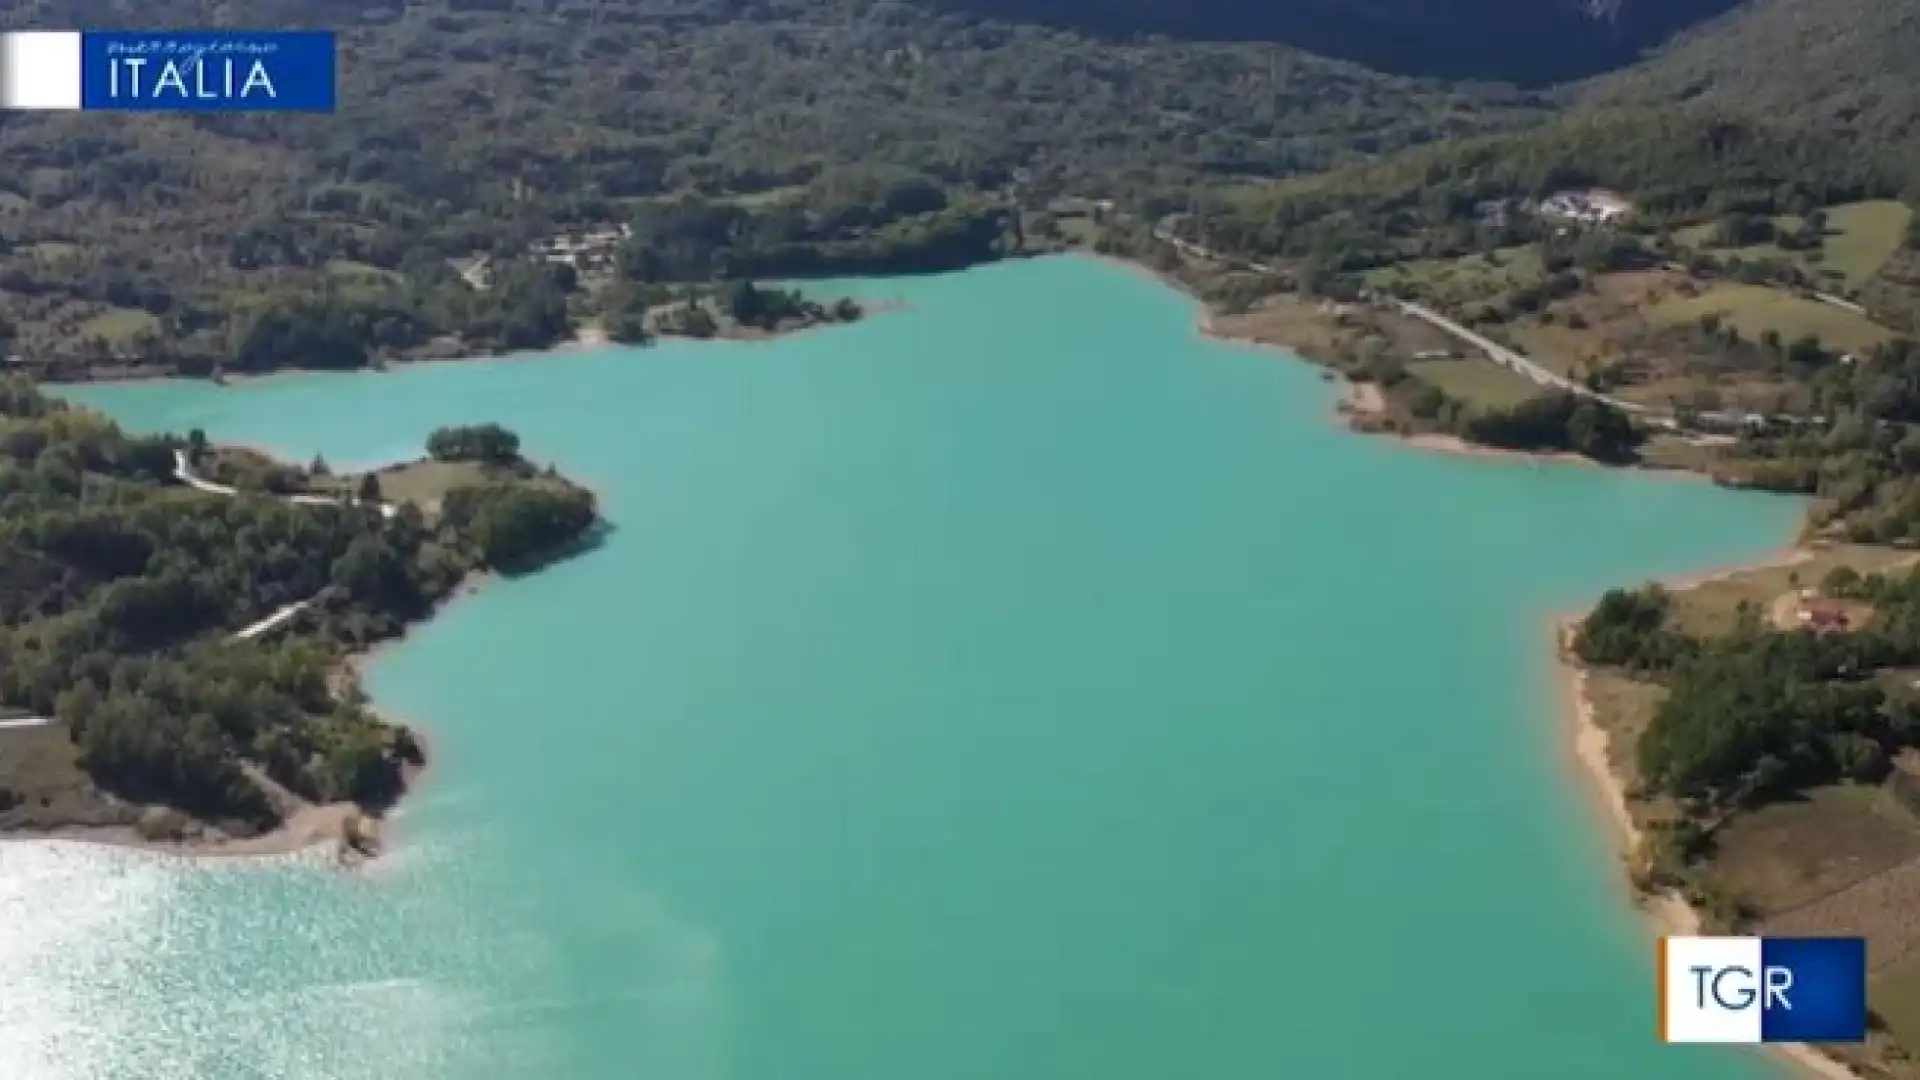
(1015, 687)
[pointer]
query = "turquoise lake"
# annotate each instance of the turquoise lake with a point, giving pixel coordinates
(1016, 686)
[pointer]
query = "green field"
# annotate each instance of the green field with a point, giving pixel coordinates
(351, 270)
(118, 325)
(1701, 236)
(1863, 236)
(1754, 309)
(1860, 238)
(1457, 282)
(1478, 381)
(424, 482)
(52, 250)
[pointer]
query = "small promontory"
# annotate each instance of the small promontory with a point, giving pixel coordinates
(177, 621)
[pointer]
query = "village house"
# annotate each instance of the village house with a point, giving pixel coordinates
(1595, 207)
(1823, 616)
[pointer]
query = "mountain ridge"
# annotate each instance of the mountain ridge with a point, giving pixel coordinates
(1529, 42)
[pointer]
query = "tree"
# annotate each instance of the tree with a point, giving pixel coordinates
(369, 488)
(486, 443)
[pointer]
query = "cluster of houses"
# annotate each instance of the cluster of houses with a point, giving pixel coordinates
(1733, 422)
(1591, 207)
(586, 252)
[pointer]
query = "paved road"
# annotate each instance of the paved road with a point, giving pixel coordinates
(1517, 362)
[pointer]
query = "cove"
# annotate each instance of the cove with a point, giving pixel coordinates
(1017, 685)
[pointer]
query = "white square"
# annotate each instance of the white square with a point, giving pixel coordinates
(1709, 989)
(40, 69)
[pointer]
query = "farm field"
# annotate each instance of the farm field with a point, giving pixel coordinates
(1457, 282)
(1755, 309)
(118, 325)
(1477, 381)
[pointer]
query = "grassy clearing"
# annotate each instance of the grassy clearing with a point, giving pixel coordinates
(1700, 238)
(1710, 609)
(1797, 862)
(1753, 310)
(350, 270)
(1859, 240)
(424, 482)
(1622, 707)
(1078, 228)
(41, 767)
(1477, 381)
(1288, 321)
(55, 250)
(117, 326)
(1863, 236)
(1455, 282)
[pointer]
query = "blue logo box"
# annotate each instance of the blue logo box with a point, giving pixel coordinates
(208, 71)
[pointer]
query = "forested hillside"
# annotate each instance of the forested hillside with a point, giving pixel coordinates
(1676, 165)
(473, 127)
(121, 592)
(1525, 41)
(1822, 63)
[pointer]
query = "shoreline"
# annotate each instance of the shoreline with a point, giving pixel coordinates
(585, 338)
(1360, 402)
(358, 837)
(1664, 912)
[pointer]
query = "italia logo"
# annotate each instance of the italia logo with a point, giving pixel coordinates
(200, 78)
(168, 71)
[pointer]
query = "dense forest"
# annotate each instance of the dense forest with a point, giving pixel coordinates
(120, 592)
(1524, 41)
(473, 130)
(786, 138)
(1831, 64)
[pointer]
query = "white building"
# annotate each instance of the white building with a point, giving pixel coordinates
(1592, 207)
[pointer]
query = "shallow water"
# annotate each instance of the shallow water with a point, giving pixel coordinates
(1017, 686)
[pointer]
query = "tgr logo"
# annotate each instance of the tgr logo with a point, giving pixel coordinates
(1751, 990)
(1733, 987)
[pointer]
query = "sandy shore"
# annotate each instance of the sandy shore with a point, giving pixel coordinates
(356, 836)
(1666, 913)
(343, 825)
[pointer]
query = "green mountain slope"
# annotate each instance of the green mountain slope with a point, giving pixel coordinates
(1854, 63)
(470, 126)
(1534, 42)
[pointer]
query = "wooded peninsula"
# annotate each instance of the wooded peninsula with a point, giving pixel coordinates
(177, 619)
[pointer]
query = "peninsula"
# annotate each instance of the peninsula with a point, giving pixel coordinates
(180, 620)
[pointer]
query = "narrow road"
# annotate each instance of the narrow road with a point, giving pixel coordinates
(1508, 358)
(247, 633)
(274, 621)
(286, 614)
(185, 474)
